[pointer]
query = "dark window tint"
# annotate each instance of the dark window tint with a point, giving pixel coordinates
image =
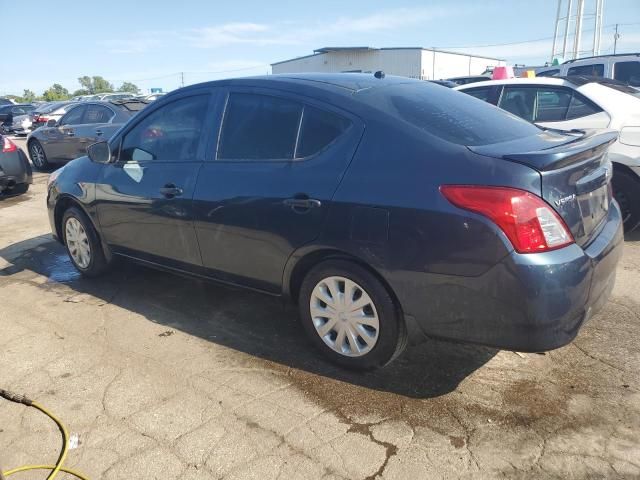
(319, 129)
(259, 127)
(448, 115)
(552, 104)
(627, 72)
(595, 70)
(97, 114)
(548, 73)
(581, 107)
(481, 93)
(171, 133)
(73, 117)
(519, 101)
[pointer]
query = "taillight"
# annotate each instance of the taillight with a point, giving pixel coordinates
(528, 221)
(8, 146)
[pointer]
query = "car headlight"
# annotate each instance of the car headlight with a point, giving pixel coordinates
(53, 176)
(630, 136)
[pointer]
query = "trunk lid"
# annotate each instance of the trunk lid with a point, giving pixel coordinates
(575, 174)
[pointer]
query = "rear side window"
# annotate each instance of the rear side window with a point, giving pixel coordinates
(318, 130)
(169, 134)
(97, 114)
(481, 93)
(548, 73)
(73, 117)
(452, 115)
(259, 127)
(594, 70)
(627, 72)
(519, 101)
(553, 104)
(581, 107)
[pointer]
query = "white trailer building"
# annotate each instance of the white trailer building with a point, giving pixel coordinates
(414, 62)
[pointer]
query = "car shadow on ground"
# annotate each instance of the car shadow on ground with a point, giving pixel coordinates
(249, 322)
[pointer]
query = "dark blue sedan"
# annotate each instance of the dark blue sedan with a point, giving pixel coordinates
(384, 207)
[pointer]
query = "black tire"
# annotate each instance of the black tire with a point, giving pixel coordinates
(97, 263)
(38, 156)
(19, 189)
(626, 190)
(392, 335)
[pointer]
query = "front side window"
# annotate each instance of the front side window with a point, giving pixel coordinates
(519, 101)
(594, 70)
(627, 72)
(74, 117)
(170, 133)
(98, 114)
(552, 104)
(259, 127)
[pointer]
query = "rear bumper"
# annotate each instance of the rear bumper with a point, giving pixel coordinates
(528, 303)
(15, 169)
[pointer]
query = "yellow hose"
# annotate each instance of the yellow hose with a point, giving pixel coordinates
(58, 467)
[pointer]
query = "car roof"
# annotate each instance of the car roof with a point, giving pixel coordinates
(346, 83)
(574, 80)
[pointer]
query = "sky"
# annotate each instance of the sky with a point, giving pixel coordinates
(151, 43)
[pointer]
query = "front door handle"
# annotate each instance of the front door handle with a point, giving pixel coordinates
(300, 204)
(170, 190)
(69, 133)
(99, 132)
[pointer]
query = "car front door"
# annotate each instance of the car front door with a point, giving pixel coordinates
(58, 141)
(269, 183)
(144, 198)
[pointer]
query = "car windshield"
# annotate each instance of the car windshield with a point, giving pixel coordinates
(454, 116)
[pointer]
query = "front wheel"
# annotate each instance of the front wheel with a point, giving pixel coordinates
(83, 244)
(626, 190)
(38, 155)
(350, 316)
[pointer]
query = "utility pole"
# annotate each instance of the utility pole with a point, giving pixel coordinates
(182, 79)
(616, 36)
(578, 36)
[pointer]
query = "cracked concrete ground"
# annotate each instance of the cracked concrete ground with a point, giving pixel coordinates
(163, 377)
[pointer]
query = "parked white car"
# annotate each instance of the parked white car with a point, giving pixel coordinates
(21, 124)
(579, 102)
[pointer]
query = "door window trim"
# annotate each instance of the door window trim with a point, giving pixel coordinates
(304, 101)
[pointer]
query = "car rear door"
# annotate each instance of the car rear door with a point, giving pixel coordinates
(85, 133)
(144, 199)
(268, 185)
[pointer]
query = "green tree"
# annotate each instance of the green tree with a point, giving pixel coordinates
(129, 87)
(28, 96)
(95, 84)
(55, 92)
(80, 92)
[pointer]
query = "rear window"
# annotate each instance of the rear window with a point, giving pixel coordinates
(454, 116)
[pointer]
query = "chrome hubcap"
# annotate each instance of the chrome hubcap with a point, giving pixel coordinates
(344, 316)
(77, 243)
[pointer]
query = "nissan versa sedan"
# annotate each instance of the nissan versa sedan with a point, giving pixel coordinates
(385, 207)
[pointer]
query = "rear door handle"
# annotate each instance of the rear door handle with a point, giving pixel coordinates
(99, 132)
(170, 191)
(302, 203)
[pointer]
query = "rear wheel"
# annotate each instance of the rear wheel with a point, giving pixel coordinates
(626, 190)
(38, 156)
(350, 316)
(83, 243)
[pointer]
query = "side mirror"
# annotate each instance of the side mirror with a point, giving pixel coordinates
(99, 152)
(52, 123)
